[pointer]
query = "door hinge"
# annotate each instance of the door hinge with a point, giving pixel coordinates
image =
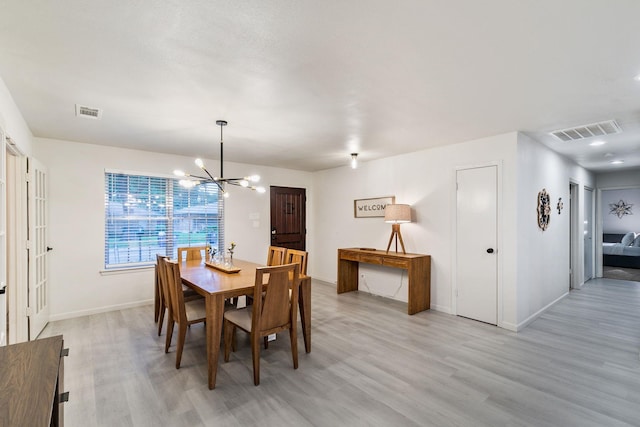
(27, 177)
(28, 312)
(27, 244)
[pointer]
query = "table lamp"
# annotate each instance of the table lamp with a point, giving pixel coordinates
(396, 215)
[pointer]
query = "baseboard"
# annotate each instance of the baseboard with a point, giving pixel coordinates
(98, 310)
(520, 326)
(441, 308)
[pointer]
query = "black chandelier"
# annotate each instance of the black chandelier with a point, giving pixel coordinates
(193, 180)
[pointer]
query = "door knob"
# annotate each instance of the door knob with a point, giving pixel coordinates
(490, 250)
(49, 248)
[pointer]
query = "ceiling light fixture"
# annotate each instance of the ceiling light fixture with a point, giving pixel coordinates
(597, 143)
(219, 181)
(354, 160)
(617, 162)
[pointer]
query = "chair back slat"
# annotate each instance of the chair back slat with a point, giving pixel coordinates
(188, 253)
(273, 312)
(276, 255)
(174, 286)
(294, 256)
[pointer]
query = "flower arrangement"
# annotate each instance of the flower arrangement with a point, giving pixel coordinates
(231, 247)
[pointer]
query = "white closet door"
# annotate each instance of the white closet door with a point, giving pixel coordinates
(476, 240)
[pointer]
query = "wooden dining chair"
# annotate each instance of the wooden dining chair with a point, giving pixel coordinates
(275, 255)
(294, 256)
(188, 253)
(273, 313)
(162, 297)
(184, 313)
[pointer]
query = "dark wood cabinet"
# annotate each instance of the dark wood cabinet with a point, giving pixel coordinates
(31, 383)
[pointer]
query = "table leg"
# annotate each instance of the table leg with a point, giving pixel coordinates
(304, 302)
(215, 311)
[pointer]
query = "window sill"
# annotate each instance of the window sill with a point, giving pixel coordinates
(126, 270)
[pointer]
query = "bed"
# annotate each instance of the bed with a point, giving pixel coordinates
(621, 250)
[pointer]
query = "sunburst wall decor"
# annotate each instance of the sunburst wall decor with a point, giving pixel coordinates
(620, 209)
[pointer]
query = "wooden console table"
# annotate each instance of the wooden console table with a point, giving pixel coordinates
(31, 383)
(418, 272)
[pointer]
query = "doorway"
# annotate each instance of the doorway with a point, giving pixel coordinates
(476, 293)
(588, 234)
(288, 217)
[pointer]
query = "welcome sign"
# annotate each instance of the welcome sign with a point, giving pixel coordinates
(371, 208)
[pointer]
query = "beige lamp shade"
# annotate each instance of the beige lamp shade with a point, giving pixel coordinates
(397, 214)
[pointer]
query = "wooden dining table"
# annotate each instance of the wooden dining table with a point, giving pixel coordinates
(216, 286)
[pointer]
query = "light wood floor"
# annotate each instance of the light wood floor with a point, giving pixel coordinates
(371, 365)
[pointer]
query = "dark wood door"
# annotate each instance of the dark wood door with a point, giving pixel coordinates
(288, 217)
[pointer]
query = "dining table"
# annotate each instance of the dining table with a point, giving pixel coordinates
(216, 286)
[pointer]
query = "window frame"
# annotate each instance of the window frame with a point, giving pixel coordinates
(166, 222)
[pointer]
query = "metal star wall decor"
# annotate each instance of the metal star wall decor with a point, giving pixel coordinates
(621, 208)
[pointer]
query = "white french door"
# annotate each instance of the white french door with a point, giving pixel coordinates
(37, 247)
(476, 244)
(3, 238)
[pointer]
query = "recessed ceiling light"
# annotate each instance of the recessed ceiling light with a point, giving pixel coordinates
(598, 142)
(617, 162)
(637, 78)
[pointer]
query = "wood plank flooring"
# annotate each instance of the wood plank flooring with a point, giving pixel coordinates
(371, 365)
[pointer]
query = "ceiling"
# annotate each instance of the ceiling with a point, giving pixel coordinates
(305, 83)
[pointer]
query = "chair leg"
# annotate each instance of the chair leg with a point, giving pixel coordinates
(161, 319)
(229, 331)
(255, 353)
(294, 346)
(266, 342)
(182, 334)
(167, 344)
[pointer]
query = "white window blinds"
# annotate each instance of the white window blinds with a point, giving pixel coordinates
(147, 215)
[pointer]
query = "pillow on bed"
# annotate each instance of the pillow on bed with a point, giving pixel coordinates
(636, 242)
(628, 238)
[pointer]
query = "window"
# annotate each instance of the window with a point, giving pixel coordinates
(149, 215)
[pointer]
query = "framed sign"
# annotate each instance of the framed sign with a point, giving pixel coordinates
(371, 208)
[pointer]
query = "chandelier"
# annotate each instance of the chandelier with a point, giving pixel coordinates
(193, 180)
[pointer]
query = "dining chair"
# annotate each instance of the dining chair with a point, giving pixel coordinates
(188, 253)
(275, 255)
(162, 300)
(184, 313)
(272, 313)
(294, 256)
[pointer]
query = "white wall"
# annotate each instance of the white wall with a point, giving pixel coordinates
(76, 212)
(611, 223)
(543, 256)
(426, 181)
(12, 122)
(620, 179)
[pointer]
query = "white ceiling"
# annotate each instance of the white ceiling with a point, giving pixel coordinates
(305, 83)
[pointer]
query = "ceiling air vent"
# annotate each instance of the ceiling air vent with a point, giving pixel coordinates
(609, 127)
(88, 112)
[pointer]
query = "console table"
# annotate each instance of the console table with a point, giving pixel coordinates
(418, 272)
(31, 383)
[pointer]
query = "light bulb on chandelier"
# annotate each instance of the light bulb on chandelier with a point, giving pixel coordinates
(194, 180)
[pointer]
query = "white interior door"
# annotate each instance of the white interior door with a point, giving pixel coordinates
(476, 244)
(37, 247)
(588, 234)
